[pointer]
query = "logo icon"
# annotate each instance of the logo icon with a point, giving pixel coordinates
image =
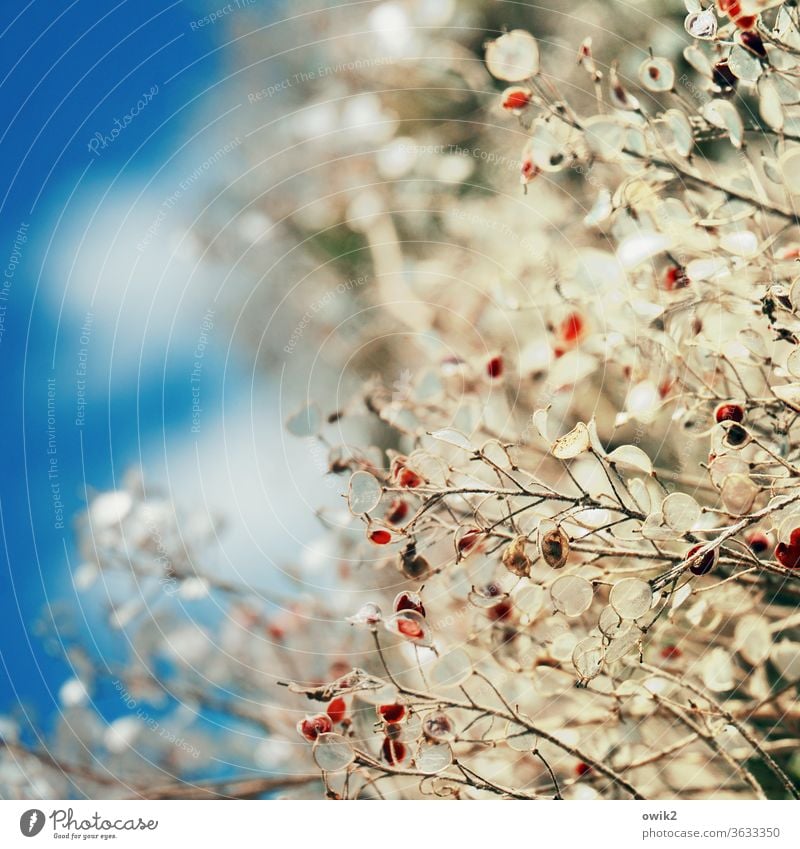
(31, 822)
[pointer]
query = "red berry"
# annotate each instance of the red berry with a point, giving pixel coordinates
(729, 412)
(409, 601)
(582, 768)
(380, 537)
(516, 97)
(393, 751)
(337, 709)
(397, 511)
(788, 554)
(494, 368)
(312, 726)
(706, 562)
(392, 713)
(671, 653)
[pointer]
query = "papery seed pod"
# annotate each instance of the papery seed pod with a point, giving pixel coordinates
(706, 563)
(515, 559)
(310, 727)
(413, 565)
(736, 436)
(397, 511)
(554, 546)
(438, 727)
(393, 751)
(392, 713)
(586, 60)
(788, 553)
(409, 601)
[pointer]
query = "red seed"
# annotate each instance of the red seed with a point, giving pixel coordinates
(529, 171)
(706, 562)
(408, 478)
(724, 77)
(276, 632)
(494, 368)
(516, 97)
(752, 41)
(393, 751)
(671, 653)
(468, 540)
(410, 628)
(337, 709)
(665, 387)
(675, 278)
(729, 412)
(380, 537)
(397, 511)
(758, 541)
(392, 713)
(409, 601)
(312, 726)
(572, 328)
(788, 554)
(501, 612)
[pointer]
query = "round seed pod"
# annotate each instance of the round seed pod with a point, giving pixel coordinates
(554, 546)
(515, 559)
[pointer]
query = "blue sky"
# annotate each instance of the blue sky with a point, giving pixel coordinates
(73, 71)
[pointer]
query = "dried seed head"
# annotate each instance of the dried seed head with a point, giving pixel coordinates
(706, 563)
(515, 559)
(409, 601)
(788, 553)
(411, 564)
(729, 411)
(555, 548)
(736, 436)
